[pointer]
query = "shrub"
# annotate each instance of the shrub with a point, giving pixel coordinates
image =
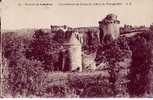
(87, 85)
(26, 77)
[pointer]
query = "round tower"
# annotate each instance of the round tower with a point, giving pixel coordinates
(109, 26)
(75, 52)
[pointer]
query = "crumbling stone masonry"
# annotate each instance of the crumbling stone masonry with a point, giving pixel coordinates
(109, 28)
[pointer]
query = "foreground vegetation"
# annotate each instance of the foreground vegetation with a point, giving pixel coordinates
(31, 69)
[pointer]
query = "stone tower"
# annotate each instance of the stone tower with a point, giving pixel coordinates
(75, 52)
(74, 46)
(109, 26)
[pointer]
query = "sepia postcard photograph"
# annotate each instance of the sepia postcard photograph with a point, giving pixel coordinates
(76, 49)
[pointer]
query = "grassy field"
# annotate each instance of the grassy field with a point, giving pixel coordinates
(77, 84)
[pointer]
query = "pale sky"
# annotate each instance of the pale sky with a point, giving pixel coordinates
(17, 17)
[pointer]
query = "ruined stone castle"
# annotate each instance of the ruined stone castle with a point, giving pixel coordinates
(109, 26)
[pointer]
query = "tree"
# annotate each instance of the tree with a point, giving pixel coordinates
(113, 52)
(90, 41)
(151, 27)
(43, 48)
(12, 45)
(141, 46)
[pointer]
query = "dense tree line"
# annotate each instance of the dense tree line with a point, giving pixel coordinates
(142, 62)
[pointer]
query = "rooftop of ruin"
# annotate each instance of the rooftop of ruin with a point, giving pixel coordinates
(110, 18)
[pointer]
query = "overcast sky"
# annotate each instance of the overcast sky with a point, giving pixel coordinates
(16, 17)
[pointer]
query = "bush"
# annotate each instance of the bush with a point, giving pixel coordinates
(26, 77)
(87, 85)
